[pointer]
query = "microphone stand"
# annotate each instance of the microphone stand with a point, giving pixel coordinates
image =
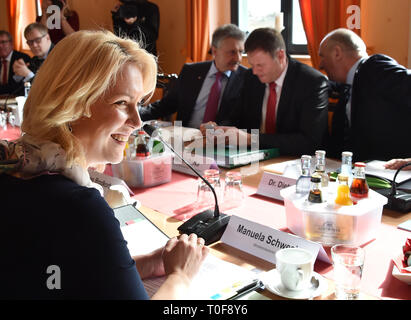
(399, 200)
(394, 184)
(209, 224)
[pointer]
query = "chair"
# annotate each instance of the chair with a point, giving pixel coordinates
(164, 83)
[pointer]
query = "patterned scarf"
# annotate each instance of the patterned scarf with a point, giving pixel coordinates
(29, 157)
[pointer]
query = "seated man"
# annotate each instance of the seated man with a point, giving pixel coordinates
(285, 100)
(205, 91)
(8, 86)
(38, 40)
(373, 117)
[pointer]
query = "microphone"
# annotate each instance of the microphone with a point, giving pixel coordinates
(209, 224)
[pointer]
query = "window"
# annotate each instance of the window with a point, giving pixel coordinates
(252, 14)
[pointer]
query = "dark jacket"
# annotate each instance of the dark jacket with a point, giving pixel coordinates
(62, 224)
(183, 95)
(145, 29)
(380, 113)
(14, 88)
(301, 122)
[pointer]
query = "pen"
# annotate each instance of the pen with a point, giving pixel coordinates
(255, 284)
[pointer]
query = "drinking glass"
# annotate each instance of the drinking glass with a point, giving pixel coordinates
(348, 264)
(11, 119)
(3, 120)
(233, 190)
(205, 196)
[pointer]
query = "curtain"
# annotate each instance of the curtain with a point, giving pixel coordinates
(198, 30)
(13, 7)
(20, 14)
(322, 16)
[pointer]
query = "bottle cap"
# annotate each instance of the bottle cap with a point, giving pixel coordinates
(360, 164)
(141, 132)
(320, 152)
(342, 177)
(347, 154)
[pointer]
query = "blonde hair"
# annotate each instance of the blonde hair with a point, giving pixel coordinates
(79, 70)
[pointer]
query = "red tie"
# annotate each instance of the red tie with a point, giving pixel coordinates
(270, 120)
(4, 69)
(213, 98)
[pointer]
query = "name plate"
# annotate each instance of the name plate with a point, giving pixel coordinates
(271, 184)
(263, 242)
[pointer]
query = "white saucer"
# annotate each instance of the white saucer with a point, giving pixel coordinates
(273, 283)
(404, 277)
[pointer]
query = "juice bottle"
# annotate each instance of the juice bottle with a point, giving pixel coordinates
(359, 187)
(343, 191)
(142, 147)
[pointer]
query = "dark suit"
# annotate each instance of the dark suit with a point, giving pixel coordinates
(380, 113)
(36, 62)
(34, 65)
(183, 95)
(301, 122)
(145, 28)
(12, 87)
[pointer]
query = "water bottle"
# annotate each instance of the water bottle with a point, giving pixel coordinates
(304, 181)
(27, 87)
(346, 165)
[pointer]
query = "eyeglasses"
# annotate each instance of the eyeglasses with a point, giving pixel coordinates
(36, 40)
(5, 41)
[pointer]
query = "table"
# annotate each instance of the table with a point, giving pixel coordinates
(377, 283)
(377, 280)
(12, 133)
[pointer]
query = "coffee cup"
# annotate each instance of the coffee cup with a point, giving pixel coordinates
(295, 267)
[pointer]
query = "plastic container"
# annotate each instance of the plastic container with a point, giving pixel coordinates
(145, 172)
(329, 223)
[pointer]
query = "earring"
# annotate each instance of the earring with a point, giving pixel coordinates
(69, 127)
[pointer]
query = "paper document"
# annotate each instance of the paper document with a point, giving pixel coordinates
(215, 275)
(212, 282)
(180, 134)
(376, 168)
(143, 237)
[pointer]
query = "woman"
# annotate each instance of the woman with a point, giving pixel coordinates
(58, 237)
(69, 19)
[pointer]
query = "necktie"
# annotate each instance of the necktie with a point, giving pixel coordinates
(4, 70)
(340, 130)
(344, 97)
(270, 120)
(213, 98)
